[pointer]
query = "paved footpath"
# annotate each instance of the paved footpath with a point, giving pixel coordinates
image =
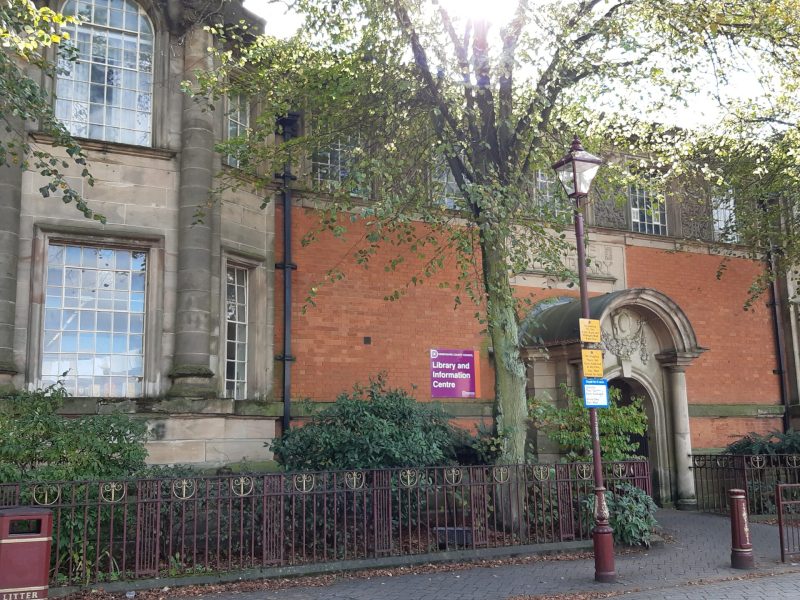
(772, 587)
(694, 564)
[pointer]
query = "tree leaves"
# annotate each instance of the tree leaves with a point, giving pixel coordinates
(27, 32)
(493, 103)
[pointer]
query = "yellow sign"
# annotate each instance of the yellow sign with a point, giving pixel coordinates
(592, 363)
(590, 330)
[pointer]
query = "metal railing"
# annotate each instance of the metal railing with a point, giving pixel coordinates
(758, 474)
(787, 496)
(144, 528)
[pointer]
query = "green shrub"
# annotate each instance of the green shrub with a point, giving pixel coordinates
(36, 443)
(372, 427)
(774, 442)
(569, 426)
(631, 515)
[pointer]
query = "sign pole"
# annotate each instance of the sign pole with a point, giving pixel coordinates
(602, 534)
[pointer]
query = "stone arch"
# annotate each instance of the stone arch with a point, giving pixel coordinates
(648, 339)
(673, 326)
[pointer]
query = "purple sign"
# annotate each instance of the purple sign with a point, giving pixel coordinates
(454, 373)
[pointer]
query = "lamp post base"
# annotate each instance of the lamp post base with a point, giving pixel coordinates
(603, 540)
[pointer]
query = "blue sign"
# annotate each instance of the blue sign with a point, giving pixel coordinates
(595, 392)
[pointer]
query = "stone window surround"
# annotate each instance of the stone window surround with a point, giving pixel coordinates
(259, 355)
(162, 56)
(154, 298)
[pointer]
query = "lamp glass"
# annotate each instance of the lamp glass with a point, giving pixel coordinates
(584, 175)
(567, 178)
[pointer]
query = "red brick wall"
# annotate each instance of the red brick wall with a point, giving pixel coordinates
(718, 432)
(737, 368)
(328, 340)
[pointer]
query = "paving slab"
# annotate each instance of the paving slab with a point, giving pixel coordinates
(693, 563)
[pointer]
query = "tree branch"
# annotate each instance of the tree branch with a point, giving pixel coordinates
(510, 37)
(484, 100)
(557, 76)
(460, 47)
(443, 116)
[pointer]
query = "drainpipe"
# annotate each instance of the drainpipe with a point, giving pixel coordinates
(289, 125)
(778, 325)
(776, 306)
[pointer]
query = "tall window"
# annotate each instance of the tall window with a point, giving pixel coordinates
(238, 122)
(333, 164)
(236, 341)
(648, 214)
(107, 93)
(724, 218)
(547, 195)
(93, 335)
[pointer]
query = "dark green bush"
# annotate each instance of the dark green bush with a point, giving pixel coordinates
(631, 514)
(774, 442)
(484, 447)
(36, 443)
(371, 427)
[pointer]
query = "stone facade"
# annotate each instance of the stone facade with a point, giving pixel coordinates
(152, 198)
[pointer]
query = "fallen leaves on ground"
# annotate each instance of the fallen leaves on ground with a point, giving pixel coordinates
(190, 591)
(572, 596)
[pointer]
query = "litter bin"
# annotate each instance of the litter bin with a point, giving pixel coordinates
(25, 535)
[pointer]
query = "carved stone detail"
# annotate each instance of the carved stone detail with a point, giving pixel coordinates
(695, 218)
(626, 337)
(607, 213)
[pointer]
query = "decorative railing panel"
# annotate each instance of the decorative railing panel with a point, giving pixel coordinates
(144, 528)
(757, 474)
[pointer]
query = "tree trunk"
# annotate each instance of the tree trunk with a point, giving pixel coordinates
(511, 410)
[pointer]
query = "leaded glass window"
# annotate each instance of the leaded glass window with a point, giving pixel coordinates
(93, 333)
(333, 164)
(107, 93)
(238, 122)
(548, 197)
(236, 324)
(648, 213)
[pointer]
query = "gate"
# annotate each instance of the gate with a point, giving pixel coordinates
(787, 497)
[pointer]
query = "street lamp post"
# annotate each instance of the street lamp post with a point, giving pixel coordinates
(576, 172)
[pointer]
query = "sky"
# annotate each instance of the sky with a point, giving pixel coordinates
(702, 109)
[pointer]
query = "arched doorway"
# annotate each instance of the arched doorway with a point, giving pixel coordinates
(629, 389)
(648, 343)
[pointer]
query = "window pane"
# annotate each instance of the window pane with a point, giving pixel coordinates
(332, 165)
(648, 215)
(238, 122)
(115, 50)
(81, 334)
(237, 332)
(724, 218)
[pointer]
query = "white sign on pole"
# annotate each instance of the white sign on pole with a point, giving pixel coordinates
(595, 392)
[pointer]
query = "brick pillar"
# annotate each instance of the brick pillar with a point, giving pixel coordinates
(191, 373)
(10, 199)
